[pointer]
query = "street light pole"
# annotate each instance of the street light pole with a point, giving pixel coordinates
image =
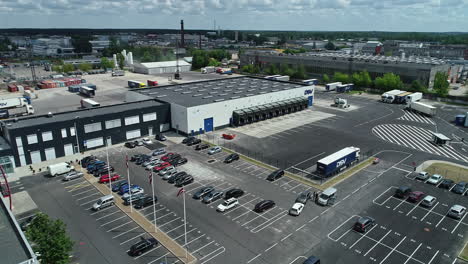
(154, 202)
(76, 135)
(108, 165)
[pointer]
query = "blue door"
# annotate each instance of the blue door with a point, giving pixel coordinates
(311, 100)
(208, 124)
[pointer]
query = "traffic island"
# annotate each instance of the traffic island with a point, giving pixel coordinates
(167, 242)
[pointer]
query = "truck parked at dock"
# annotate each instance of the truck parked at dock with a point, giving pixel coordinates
(338, 161)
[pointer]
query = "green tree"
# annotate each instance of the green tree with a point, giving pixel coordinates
(325, 78)
(416, 86)
(300, 72)
(50, 239)
(330, 46)
(85, 67)
(389, 82)
(341, 77)
(121, 60)
(441, 84)
(68, 68)
(213, 62)
(57, 68)
(81, 43)
(272, 70)
(256, 69)
(361, 79)
(106, 63)
(247, 68)
(286, 70)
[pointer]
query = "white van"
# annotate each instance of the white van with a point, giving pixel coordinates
(59, 168)
(328, 196)
(103, 202)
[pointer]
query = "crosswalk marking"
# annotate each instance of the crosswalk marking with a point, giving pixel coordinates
(416, 138)
(416, 117)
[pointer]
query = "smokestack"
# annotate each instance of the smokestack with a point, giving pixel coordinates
(182, 40)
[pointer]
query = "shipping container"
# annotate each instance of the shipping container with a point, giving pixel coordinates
(414, 97)
(332, 86)
(310, 82)
(88, 103)
(338, 161)
(74, 88)
(343, 88)
(388, 96)
(425, 109)
(460, 120)
(401, 98)
(87, 91)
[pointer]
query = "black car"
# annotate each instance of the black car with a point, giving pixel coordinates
(116, 186)
(179, 162)
(264, 205)
(303, 197)
(460, 187)
(134, 198)
(88, 162)
(202, 192)
(363, 224)
(84, 161)
(212, 196)
(173, 158)
(103, 171)
(202, 146)
(160, 137)
(446, 184)
(275, 175)
(233, 193)
(142, 159)
(136, 157)
(145, 201)
(187, 139)
(97, 167)
(142, 246)
(176, 177)
(194, 142)
(184, 181)
(231, 157)
(402, 192)
(130, 145)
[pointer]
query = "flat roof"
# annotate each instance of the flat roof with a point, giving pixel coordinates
(212, 91)
(82, 113)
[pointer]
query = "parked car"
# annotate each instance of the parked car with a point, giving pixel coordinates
(184, 181)
(105, 178)
(428, 201)
(212, 196)
(457, 211)
(446, 184)
(402, 192)
(142, 159)
(376, 161)
(142, 246)
(158, 152)
(231, 157)
(174, 177)
(303, 197)
(363, 224)
(435, 179)
(135, 157)
(233, 193)
(187, 139)
(104, 170)
(201, 146)
(153, 164)
(152, 160)
(95, 167)
(124, 188)
(202, 192)
(134, 190)
(161, 166)
(84, 161)
(296, 209)
(179, 162)
(168, 156)
(146, 141)
(138, 142)
(173, 158)
(275, 175)
(312, 260)
(214, 150)
(194, 142)
(166, 170)
(147, 200)
(415, 196)
(116, 186)
(422, 176)
(72, 175)
(169, 174)
(264, 205)
(160, 137)
(228, 204)
(228, 136)
(130, 145)
(134, 198)
(459, 188)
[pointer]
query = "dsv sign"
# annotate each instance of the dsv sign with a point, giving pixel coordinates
(306, 92)
(341, 163)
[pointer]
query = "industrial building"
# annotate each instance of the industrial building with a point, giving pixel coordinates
(161, 67)
(317, 64)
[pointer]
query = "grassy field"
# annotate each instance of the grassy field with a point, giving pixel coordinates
(449, 171)
(464, 254)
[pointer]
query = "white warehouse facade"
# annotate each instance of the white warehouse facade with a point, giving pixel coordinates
(161, 67)
(207, 105)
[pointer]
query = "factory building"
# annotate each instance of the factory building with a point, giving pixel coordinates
(161, 67)
(317, 64)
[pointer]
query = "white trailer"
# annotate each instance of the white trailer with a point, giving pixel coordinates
(13, 102)
(209, 69)
(414, 97)
(88, 103)
(425, 109)
(282, 78)
(332, 86)
(388, 97)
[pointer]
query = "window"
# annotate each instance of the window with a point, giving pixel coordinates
(149, 117)
(32, 139)
(113, 123)
(19, 142)
(94, 142)
(92, 127)
(133, 134)
(132, 120)
(47, 136)
(72, 131)
(64, 132)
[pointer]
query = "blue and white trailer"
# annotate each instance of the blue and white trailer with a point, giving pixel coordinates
(332, 86)
(338, 161)
(310, 82)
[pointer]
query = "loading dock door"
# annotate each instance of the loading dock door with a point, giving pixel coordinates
(311, 100)
(68, 149)
(208, 124)
(50, 153)
(35, 157)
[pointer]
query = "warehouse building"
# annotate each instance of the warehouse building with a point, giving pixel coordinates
(200, 107)
(161, 67)
(317, 64)
(39, 138)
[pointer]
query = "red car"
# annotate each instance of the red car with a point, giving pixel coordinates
(167, 156)
(162, 166)
(105, 178)
(229, 136)
(416, 196)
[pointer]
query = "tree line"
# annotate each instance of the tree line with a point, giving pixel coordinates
(203, 58)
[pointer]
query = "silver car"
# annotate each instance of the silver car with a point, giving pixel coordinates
(214, 150)
(457, 211)
(428, 201)
(152, 165)
(72, 175)
(151, 161)
(166, 170)
(168, 174)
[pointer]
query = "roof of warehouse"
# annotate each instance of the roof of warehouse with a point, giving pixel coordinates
(83, 113)
(212, 91)
(160, 64)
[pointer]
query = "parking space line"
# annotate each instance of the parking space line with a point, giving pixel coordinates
(147, 252)
(383, 194)
(157, 218)
(268, 223)
(433, 257)
(415, 206)
(442, 219)
(130, 239)
(240, 206)
(169, 222)
(158, 258)
(402, 201)
(363, 236)
(167, 232)
(107, 215)
(123, 233)
(195, 239)
(123, 216)
(120, 226)
(102, 210)
(233, 219)
(184, 233)
(380, 240)
(223, 249)
(393, 249)
(410, 257)
(459, 222)
(92, 201)
(76, 194)
(195, 251)
(87, 196)
(336, 240)
(429, 211)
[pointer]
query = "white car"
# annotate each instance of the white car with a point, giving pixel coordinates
(228, 204)
(214, 150)
(153, 160)
(428, 201)
(168, 174)
(146, 141)
(422, 176)
(435, 179)
(134, 191)
(457, 211)
(166, 170)
(296, 209)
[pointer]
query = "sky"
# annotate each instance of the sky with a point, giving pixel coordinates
(301, 15)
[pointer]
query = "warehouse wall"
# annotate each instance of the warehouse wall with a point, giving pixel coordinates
(179, 118)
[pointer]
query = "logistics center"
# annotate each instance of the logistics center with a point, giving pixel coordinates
(190, 108)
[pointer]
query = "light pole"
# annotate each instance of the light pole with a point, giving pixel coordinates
(154, 202)
(108, 165)
(76, 134)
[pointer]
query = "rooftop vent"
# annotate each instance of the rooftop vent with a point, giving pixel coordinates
(206, 97)
(162, 95)
(218, 100)
(238, 92)
(250, 90)
(262, 92)
(186, 92)
(235, 97)
(48, 115)
(197, 95)
(249, 94)
(223, 94)
(153, 93)
(177, 90)
(202, 90)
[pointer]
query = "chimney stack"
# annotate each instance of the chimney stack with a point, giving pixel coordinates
(182, 40)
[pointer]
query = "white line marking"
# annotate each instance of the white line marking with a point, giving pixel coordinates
(393, 249)
(377, 243)
(433, 257)
(410, 257)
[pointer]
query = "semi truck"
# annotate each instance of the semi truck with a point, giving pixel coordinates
(338, 161)
(425, 109)
(414, 97)
(388, 97)
(13, 107)
(88, 103)
(310, 82)
(332, 86)
(209, 69)
(136, 84)
(84, 90)
(343, 88)
(13, 102)
(118, 73)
